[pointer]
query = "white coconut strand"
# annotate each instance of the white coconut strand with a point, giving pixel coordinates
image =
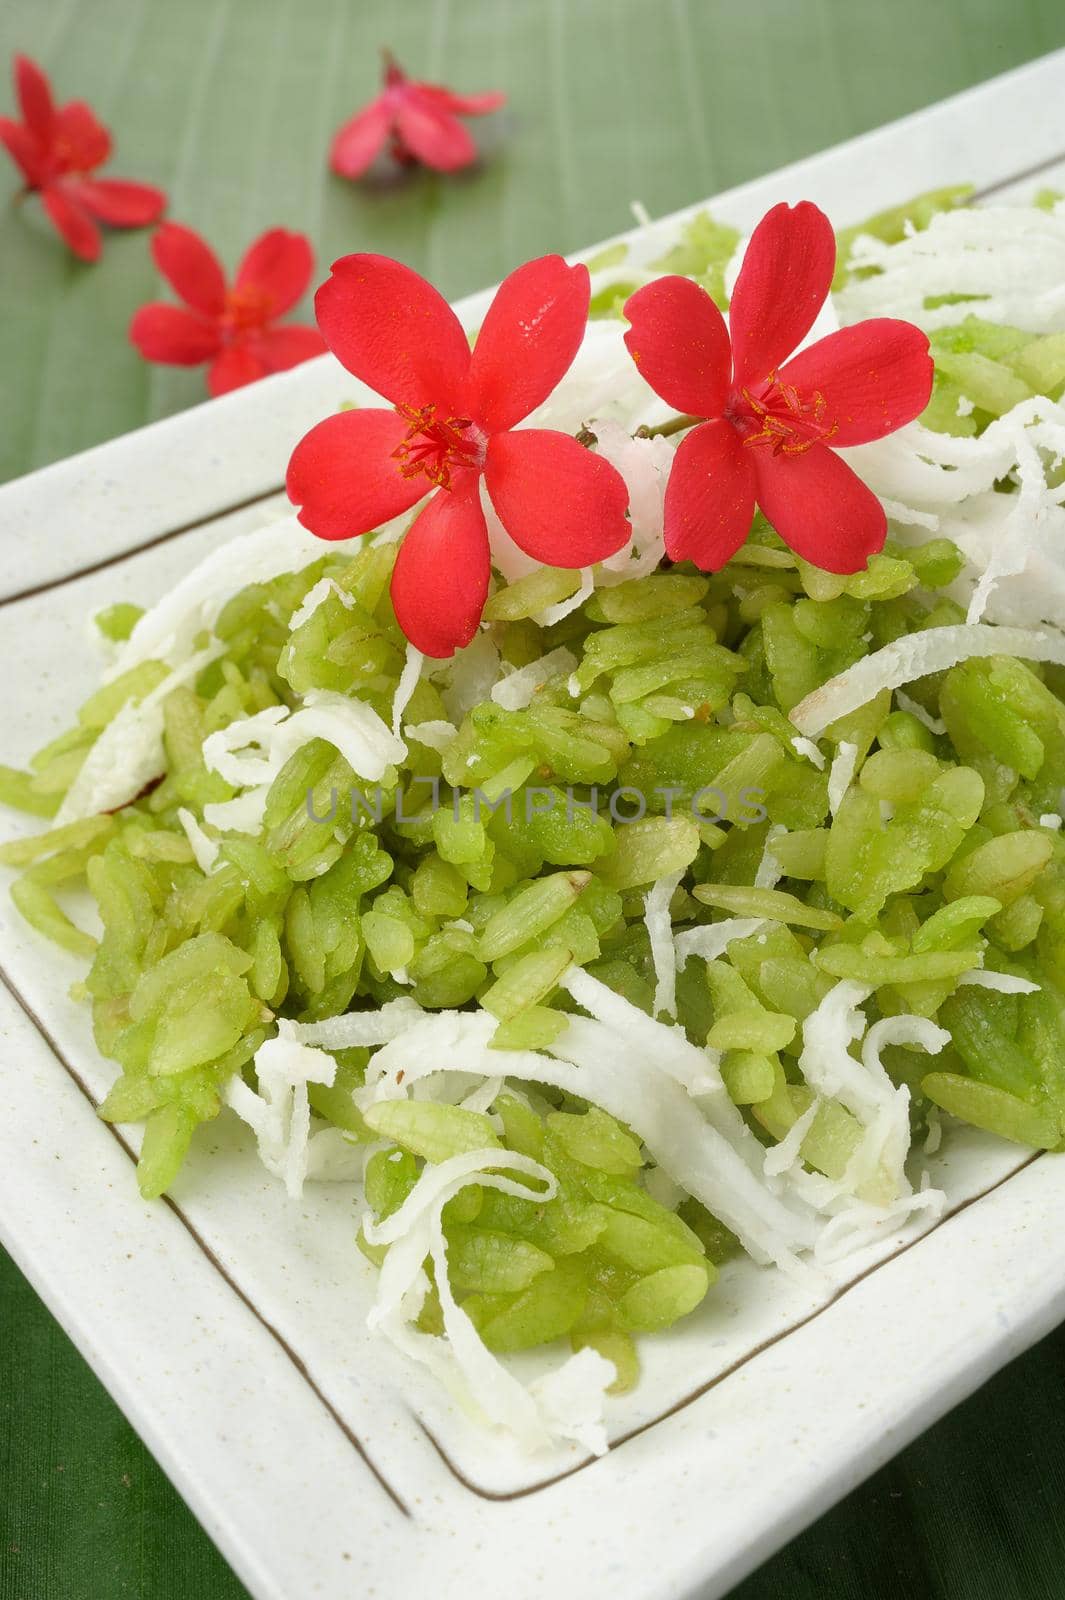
(354, 1028)
(166, 632)
(1010, 259)
(128, 754)
(567, 1403)
(586, 1060)
(916, 655)
(520, 687)
(408, 682)
(712, 939)
(663, 951)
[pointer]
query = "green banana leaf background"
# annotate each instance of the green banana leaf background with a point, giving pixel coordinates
(230, 105)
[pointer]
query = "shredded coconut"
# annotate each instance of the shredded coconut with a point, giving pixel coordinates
(243, 814)
(863, 1087)
(712, 940)
(1002, 982)
(128, 755)
(769, 871)
(204, 849)
(251, 752)
(168, 631)
(934, 1136)
(435, 735)
(469, 677)
(1012, 540)
(552, 614)
(571, 1399)
(280, 1113)
(840, 774)
(610, 1065)
(915, 655)
(785, 1155)
(568, 1403)
(807, 748)
(1008, 258)
(359, 1027)
(645, 466)
(916, 709)
(660, 932)
(314, 597)
(519, 689)
(861, 1224)
(408, 682)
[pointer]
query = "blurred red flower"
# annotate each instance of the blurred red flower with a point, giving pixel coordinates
(419, 122)
(234, 327)
(57, 148)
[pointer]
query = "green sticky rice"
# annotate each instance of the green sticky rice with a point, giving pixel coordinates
(190, 969)
(662, 754)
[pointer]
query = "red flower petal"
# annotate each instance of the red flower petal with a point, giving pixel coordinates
(783, 283)
(22, 148)
(173, 335)
(232, 368)
(393, 330)
(73, 224)
(343, 477)
(463, 105)
(34, 97)
(709, 497)
(874, 376)
(820, 507)
(529, 337)
(440, 582)
(432, 134)
(118, 202)
(191, 268)
(680, 344)
(359, 140)
(560, 503)
(285, 347)
(279, 265)
(85, 141)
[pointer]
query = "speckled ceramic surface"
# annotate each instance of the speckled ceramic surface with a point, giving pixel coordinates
(229, 1322)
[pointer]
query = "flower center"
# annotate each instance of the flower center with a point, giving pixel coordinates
(778, 416)
(434, 445)
(246, 308)
(63, 154)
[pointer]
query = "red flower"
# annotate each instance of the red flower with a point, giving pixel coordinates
(419, 120)
(770, 428)
(231, 327)
(56, 148)
(453, 421)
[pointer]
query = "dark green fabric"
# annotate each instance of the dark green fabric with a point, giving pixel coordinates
(229, 104)
(972, 1511)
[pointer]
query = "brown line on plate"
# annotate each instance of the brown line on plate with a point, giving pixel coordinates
(135, 550)
(1019, 177)
(301, 1366)
(741, 1361)
(294, 1357)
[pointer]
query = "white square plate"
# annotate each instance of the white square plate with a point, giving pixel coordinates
(229, 1323)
